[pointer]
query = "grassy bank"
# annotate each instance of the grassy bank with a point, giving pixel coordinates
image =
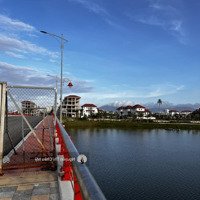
(83, 124)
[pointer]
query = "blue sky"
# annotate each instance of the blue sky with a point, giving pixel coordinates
(130, 50)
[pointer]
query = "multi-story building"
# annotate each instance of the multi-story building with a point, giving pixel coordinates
(89, 109)
(29, 108)
(71, 106)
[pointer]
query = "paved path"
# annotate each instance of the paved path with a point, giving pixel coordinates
(29, 185)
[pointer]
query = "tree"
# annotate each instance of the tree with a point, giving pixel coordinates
(159, 102)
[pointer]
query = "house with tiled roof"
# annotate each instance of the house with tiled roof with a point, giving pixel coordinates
(186, 112)
(130, 110)
(174, 112)
(89, 109)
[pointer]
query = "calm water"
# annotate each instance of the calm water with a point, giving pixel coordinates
(141, 165)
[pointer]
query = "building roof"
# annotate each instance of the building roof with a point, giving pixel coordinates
(138, 106)
(186, 111)
(26, 101)
(173, 111)
(131, 107)
(121, 107)
(88, 105)
(72, 96)
(128, 107)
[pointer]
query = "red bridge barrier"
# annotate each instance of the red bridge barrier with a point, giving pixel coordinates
(67, 169)
(83, 184)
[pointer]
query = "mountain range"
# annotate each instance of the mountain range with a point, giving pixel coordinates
(153, 107)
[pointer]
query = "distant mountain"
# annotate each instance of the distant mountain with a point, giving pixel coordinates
(113, 106)
(153, 107)
(108, 107)
(179, 107)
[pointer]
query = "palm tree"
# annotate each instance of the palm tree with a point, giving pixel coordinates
(159, 102)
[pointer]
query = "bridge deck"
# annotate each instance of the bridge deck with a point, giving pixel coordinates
(28, 184)
(21, 181)
(30, 149)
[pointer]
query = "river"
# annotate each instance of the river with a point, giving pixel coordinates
(142, 164)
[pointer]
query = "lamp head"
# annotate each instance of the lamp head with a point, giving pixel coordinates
(70, 84)
(43, 32)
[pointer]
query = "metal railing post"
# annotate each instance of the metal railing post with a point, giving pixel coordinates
(55, 107)
(3, 87)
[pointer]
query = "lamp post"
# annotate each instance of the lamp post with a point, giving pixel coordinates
(62, 40)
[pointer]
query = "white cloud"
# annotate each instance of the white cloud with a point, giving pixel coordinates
(79, 86)
(162, 15)
(122, 103)
(151, 20)
(11, 43)
(91, 6)
(99, 10)
(16, 25)
(15, 45)
(151, 91)
(176, 25)
(53, 61)
(8, 66)
(15, 55)
(23, 75)
(163, 7)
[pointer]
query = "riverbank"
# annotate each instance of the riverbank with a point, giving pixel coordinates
(128, 124)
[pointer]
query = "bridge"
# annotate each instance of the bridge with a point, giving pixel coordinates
(38, 159)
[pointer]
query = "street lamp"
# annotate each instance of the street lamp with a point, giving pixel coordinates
(68, 81)
(62, 40)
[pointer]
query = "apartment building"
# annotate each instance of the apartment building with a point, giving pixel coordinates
(29, 108)
(71, 106)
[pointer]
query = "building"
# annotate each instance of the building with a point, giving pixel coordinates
(173, 112)
(133, 110)
(89, 109)
(138, 109)
(121, 111)
(71, 106)
(29, 108)
(186, 112)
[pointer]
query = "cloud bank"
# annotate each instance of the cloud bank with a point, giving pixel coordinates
(8, 23)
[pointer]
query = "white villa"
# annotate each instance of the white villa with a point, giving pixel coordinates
(129, 110)
(89, 109)
(173, 112)
(186, 112)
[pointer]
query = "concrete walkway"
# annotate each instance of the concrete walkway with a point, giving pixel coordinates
(29, 185)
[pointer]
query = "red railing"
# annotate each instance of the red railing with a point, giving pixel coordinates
(66, 171)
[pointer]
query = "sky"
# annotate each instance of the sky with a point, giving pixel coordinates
(130, 51)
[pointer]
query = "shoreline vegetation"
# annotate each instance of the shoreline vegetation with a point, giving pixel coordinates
(130, 124)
